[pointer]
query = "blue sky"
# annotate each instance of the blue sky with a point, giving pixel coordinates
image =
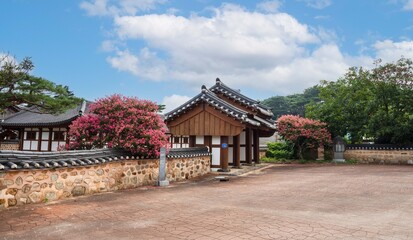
(164, 50)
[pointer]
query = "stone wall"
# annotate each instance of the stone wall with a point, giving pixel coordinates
(24, 186)
(380, 156)
(9, 146)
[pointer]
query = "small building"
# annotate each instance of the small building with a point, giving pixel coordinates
(224, 120)
(30, 130)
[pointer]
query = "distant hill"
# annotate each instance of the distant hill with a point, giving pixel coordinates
(292, 104)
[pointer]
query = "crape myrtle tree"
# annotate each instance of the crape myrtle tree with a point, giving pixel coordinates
(120, 122)
(19, 88)
(303, 133)
(375, 104)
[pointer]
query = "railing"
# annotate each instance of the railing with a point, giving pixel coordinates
(378, 147)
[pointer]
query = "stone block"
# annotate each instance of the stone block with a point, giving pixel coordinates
(59, 185)
(78, 191)
(26, 188)
(19, 181)
(35, 197)
(54, 177)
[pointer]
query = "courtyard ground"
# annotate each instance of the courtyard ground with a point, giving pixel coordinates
(279, 202)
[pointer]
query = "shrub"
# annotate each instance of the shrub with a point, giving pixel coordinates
(279, 150)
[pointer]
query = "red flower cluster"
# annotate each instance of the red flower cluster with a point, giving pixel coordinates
(303, 132)
(120, 122)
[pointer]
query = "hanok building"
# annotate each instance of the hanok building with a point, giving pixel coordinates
(30, 130)
(227, 122)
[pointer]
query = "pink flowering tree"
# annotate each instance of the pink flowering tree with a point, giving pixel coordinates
(120, 122)
(304, 133)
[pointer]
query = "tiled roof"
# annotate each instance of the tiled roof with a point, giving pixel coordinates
(220, 87)
(214, 101)
(188, 152)
(32, 118)
(15, 160)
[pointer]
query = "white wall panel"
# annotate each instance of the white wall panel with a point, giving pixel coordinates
(216, 156)
(242, 154)
(44, 146)
(199, 140)
(216, 140)
(26, 145)
(34, 145)
(242, 138)
(45, 135)
(55, 145)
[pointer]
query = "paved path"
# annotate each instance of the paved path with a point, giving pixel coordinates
(281, 202)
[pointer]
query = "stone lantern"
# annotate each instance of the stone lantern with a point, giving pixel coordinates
(339, 148)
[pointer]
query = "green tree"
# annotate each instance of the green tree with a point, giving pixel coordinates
(344, 104)
(376, 103)
(18, 87)
(392, 109)
(292, 104)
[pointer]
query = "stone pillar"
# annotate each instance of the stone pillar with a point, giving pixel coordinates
(162, 169)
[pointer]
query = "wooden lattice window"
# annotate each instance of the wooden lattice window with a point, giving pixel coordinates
(59, 136)
(31, 135)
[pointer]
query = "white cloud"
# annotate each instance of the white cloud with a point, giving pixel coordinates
(118, 7)
(173, 101)
(7, 58)
(145, 64)
(239, 46)
(408, 5)
(390, 51)
(319, 4)
(272, 52)
(269, 6)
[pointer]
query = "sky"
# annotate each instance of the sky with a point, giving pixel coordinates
(165, 50)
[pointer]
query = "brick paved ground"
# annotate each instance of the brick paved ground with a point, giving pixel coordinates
(281, 202)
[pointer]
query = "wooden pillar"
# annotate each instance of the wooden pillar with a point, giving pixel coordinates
(224, 154)
(21, 138)
(39, 141)
(236, 151)
(192, 141)
(248, 145)
(256, 146)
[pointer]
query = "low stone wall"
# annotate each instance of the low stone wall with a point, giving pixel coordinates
(9, 146)
(380, 156)
(25, 186)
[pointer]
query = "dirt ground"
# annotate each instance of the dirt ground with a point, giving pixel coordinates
(280, 202)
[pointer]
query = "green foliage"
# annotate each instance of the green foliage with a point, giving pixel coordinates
(375, 104)
(292, 104)
(351, 161)
(279, 150)
(275, 160)
(18, 87)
